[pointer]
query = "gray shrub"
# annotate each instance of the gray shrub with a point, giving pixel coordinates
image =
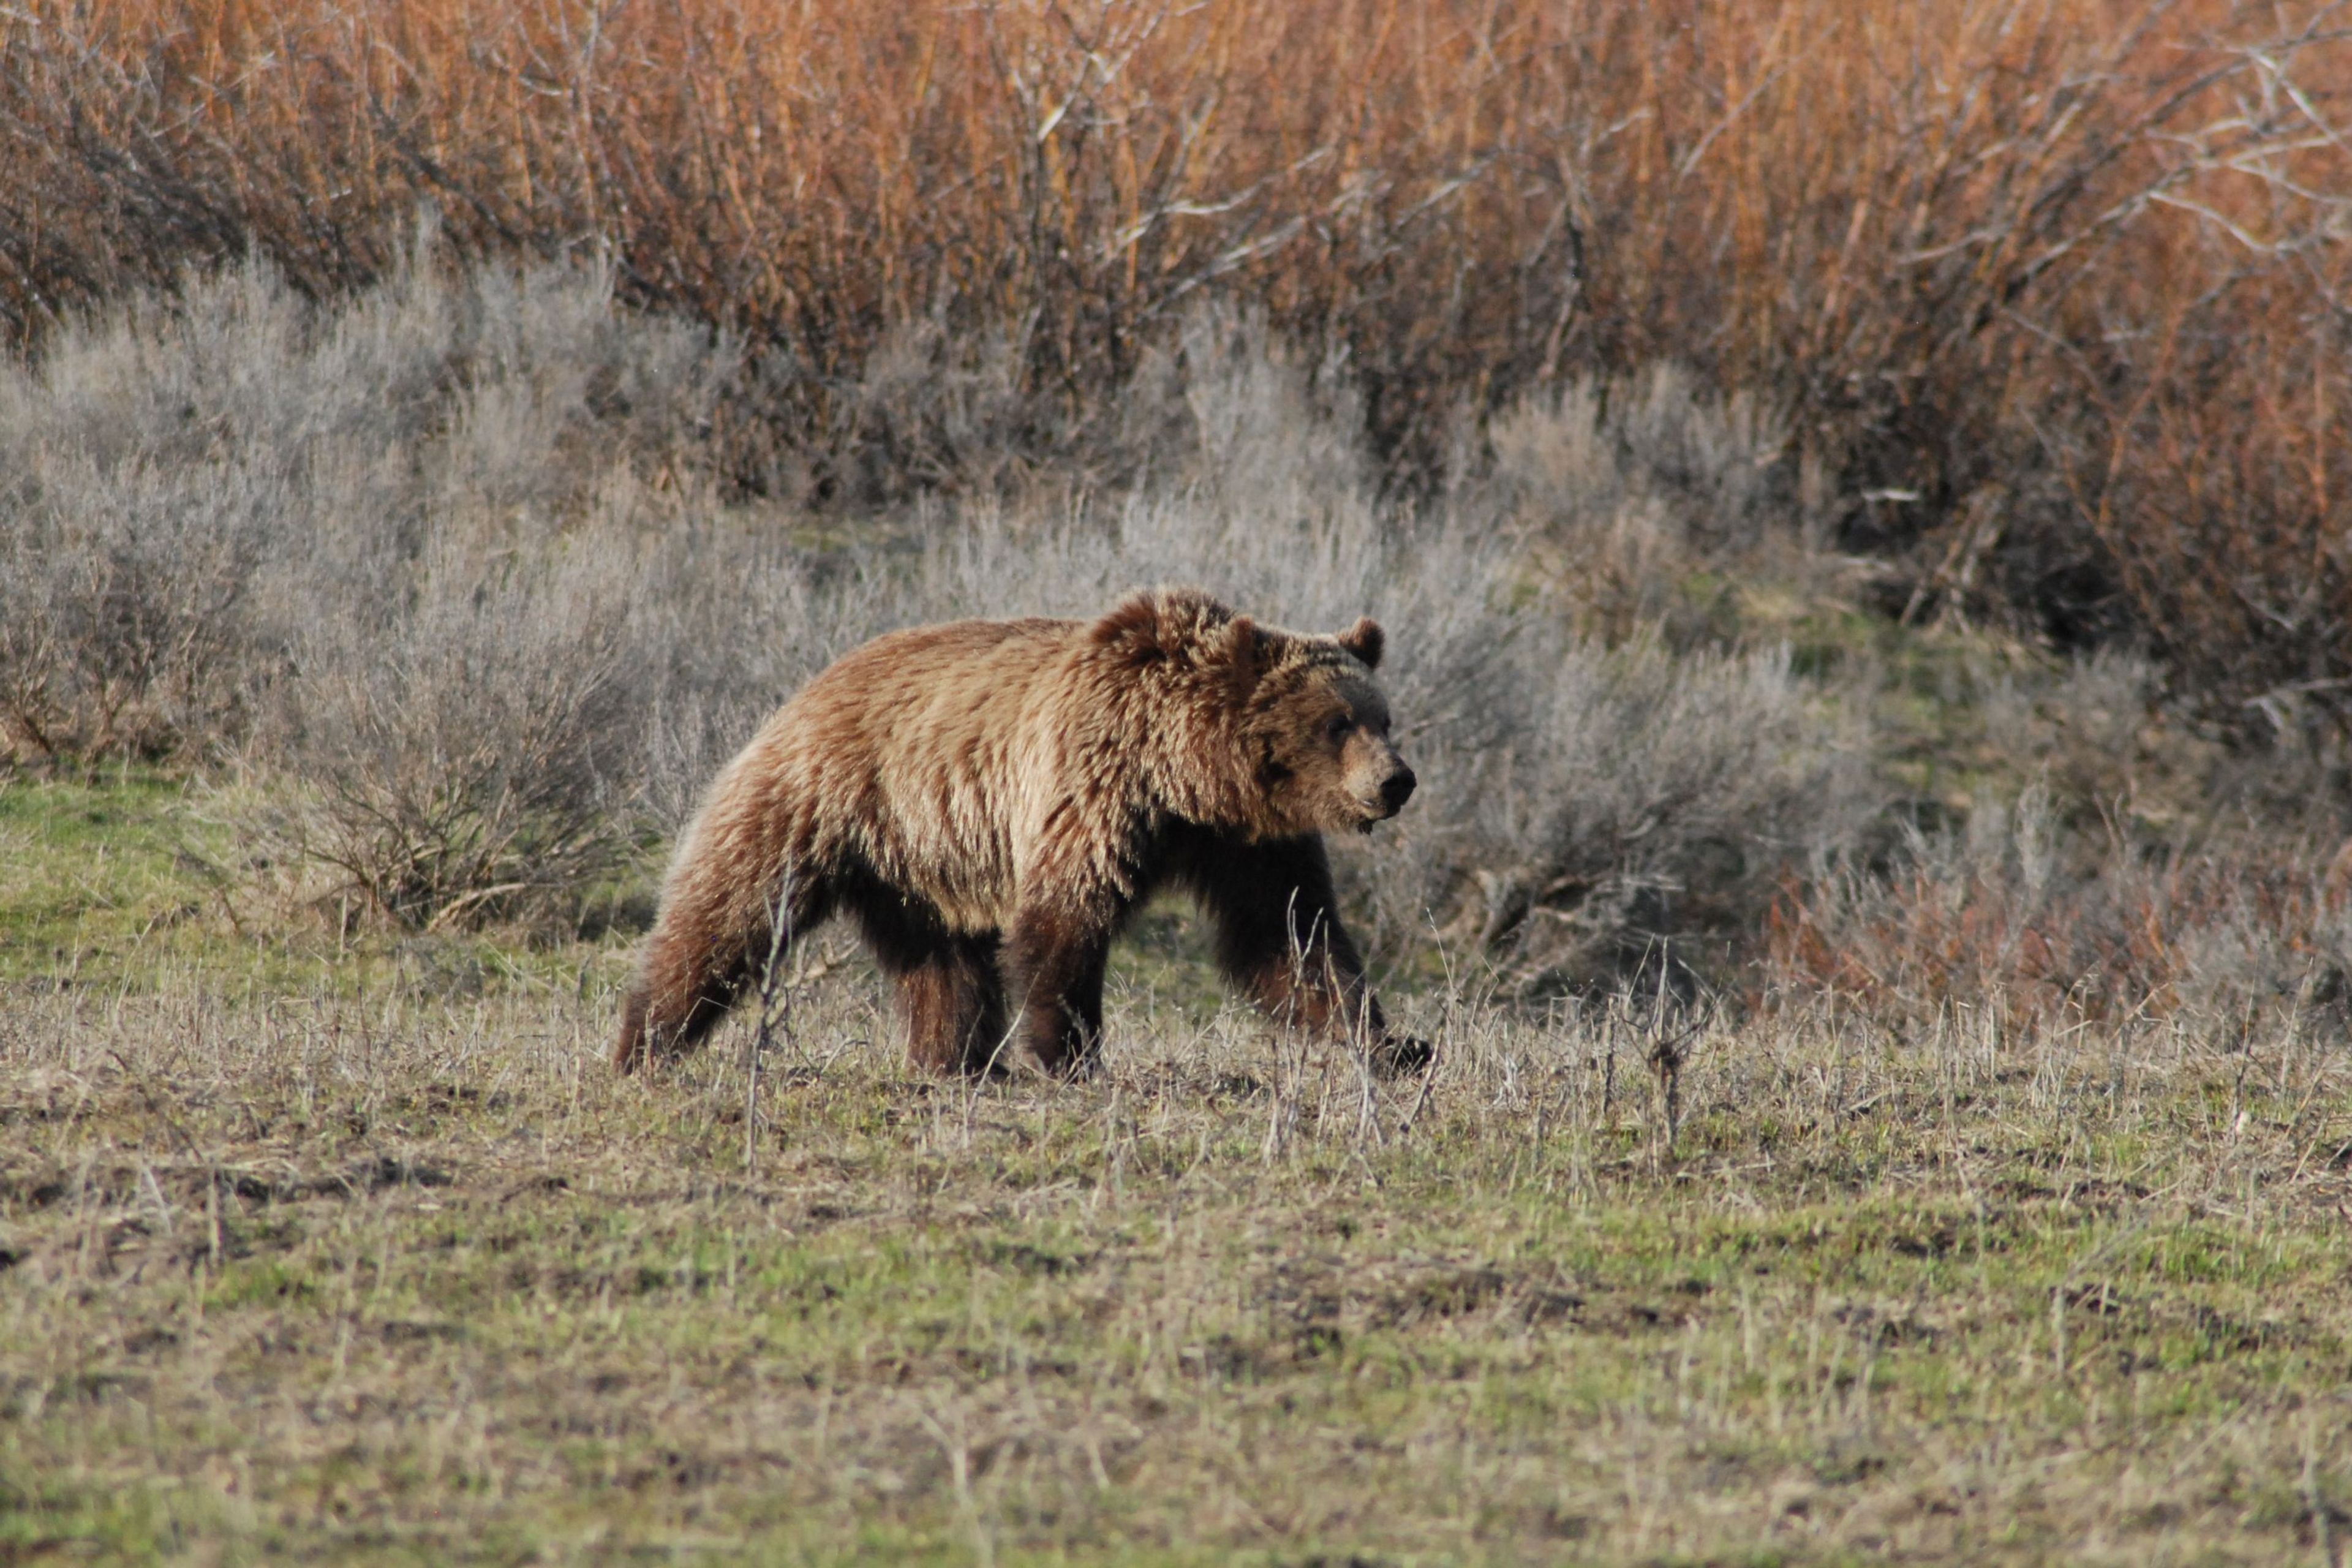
(448, 568)
(381, 553)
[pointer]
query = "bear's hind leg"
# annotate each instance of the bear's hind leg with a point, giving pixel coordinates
(1055, 961)
(949, 998)
(679, 994)
(952, 1003)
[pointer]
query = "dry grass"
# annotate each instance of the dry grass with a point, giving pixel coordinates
(324, 1247)
(384, 1277)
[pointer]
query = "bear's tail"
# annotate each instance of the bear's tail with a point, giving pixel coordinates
(677, 998)
(696, 963)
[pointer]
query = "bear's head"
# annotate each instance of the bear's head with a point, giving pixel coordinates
(1277, 732)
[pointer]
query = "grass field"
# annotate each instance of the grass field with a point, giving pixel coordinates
(372, 1260)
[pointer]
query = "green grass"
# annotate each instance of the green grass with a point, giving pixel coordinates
(109, 881)
(98, 872)
(353, 1266)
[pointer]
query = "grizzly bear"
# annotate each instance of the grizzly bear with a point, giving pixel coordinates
(989, 800)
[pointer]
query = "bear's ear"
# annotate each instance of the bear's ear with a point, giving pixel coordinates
(1238, 644)
(1365, 641)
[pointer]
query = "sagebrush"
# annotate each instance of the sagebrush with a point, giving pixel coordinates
(452, 563)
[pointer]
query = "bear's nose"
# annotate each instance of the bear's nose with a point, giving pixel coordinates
(1397, 790)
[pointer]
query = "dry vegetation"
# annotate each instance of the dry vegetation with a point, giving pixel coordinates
(2060, 282)
(409, 1278)
(1856, 495)
(443, 593)
(442, 577)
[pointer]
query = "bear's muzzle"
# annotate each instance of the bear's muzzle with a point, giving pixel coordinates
(1394, 791)
(1397, 790)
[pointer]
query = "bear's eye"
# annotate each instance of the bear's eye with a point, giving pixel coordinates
(1337, 726)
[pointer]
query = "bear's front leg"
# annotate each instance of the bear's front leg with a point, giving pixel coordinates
(1280, 942)
(1054, 959)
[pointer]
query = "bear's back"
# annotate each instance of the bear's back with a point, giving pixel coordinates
(920, 757)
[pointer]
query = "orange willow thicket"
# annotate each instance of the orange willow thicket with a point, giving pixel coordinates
(2084, 260)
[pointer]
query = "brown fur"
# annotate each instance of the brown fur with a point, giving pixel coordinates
(990, 799)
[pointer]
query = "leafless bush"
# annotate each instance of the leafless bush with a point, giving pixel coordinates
(123, 605)
(1650, 798)
(1574, 455)
(388, 551)
(475, 757)
(191, 481)
(2083, 729)
(1999, 913)
(159, 462)
(932, 409)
